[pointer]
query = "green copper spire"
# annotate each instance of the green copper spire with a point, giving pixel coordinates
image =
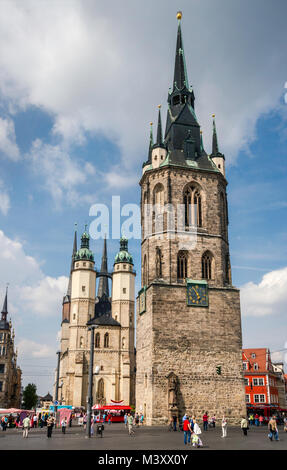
(84, 253)
(123, 256)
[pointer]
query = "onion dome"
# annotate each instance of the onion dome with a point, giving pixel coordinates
(84, 253)
(123, 256)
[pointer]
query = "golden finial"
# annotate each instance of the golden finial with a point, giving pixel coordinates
(179, 15)
(151, 123)
(201, 132)
(213, 115)
(159, 106)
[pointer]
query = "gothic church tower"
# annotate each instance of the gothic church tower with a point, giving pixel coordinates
(188, 311)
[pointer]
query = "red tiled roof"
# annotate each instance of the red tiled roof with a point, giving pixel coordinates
(260, 357)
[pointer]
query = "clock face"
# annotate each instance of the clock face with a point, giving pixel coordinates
(197, 295)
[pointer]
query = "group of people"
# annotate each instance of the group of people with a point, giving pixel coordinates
(191, 431)
(131, 421)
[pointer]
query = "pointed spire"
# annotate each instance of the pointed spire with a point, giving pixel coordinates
(159, 129)
(201, 144)
(103, 288)
(69, 290)
(215, 150)
(150, 143)
(180, 74)
(4, 312)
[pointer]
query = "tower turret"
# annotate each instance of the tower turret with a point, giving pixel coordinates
(217, 157)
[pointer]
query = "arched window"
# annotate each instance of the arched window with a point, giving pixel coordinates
(106, 340)
(145, 271)
(123, 342)
(193, 206)
(158, 263)
(97, 342)
(182, 265)
(158, 194)
(81, 342)
(206, 264)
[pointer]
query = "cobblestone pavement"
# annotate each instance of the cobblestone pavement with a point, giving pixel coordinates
(145, 438)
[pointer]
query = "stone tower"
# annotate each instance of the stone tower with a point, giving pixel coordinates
(123, 310)
(188, 312)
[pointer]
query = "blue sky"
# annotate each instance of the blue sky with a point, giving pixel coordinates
(76, 100)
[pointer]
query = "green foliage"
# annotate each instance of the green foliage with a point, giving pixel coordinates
(30, 396)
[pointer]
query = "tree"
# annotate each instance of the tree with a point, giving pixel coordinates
(30, 396)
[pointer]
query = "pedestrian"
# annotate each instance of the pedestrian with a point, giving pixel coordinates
(196, 441)
(244, 426)
(285, 424)
(35, 421)
(261, 419)
(256, 420)
(273, 430)
(26, 426)
(191, 421)
(213, 420)
(85, 421)
(126, 420)
(130, 424)
(174, 420)
(186, 430)
(251, 419)
(137, 420)
(93, 420)
(224, 426)
(50, 425)
(205, 421)
(142, 419)
(64, 425)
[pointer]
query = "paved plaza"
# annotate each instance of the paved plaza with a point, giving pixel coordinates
(146, 438)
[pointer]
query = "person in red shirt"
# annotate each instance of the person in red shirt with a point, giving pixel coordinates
(205, 421)
(186, 430)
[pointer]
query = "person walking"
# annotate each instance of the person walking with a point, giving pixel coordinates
(126, 420)
(186, 430)
(261, 419)
(50, 425)
(244, 425)
(64, 425)
(273, 430)
(224, 426)
(256, 420)
(213, 421)
(26, 426)
(205, 421)
(35, 421)
(142, 419)
(130, 424)
(251, 419)
(285, 423)
(196, 441)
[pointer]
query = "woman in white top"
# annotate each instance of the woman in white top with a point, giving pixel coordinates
(224, 427)
(197, 432)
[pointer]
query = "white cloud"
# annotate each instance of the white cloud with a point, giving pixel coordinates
(57, 172)
(102, 67)
(44, 298)
(268, 297)
(4, 199)
(30, 349)
(8, 145)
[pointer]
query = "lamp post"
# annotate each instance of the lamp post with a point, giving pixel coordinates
(57, 381)
(90, 388)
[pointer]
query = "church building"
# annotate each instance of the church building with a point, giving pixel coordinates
(189, 336)
(113, 317)
(10, 373)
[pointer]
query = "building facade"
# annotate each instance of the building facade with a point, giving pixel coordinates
(113, 317)
(10, 374)
(264, 381)
(188, 312)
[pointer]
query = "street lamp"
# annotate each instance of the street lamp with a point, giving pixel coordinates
(91, 373)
